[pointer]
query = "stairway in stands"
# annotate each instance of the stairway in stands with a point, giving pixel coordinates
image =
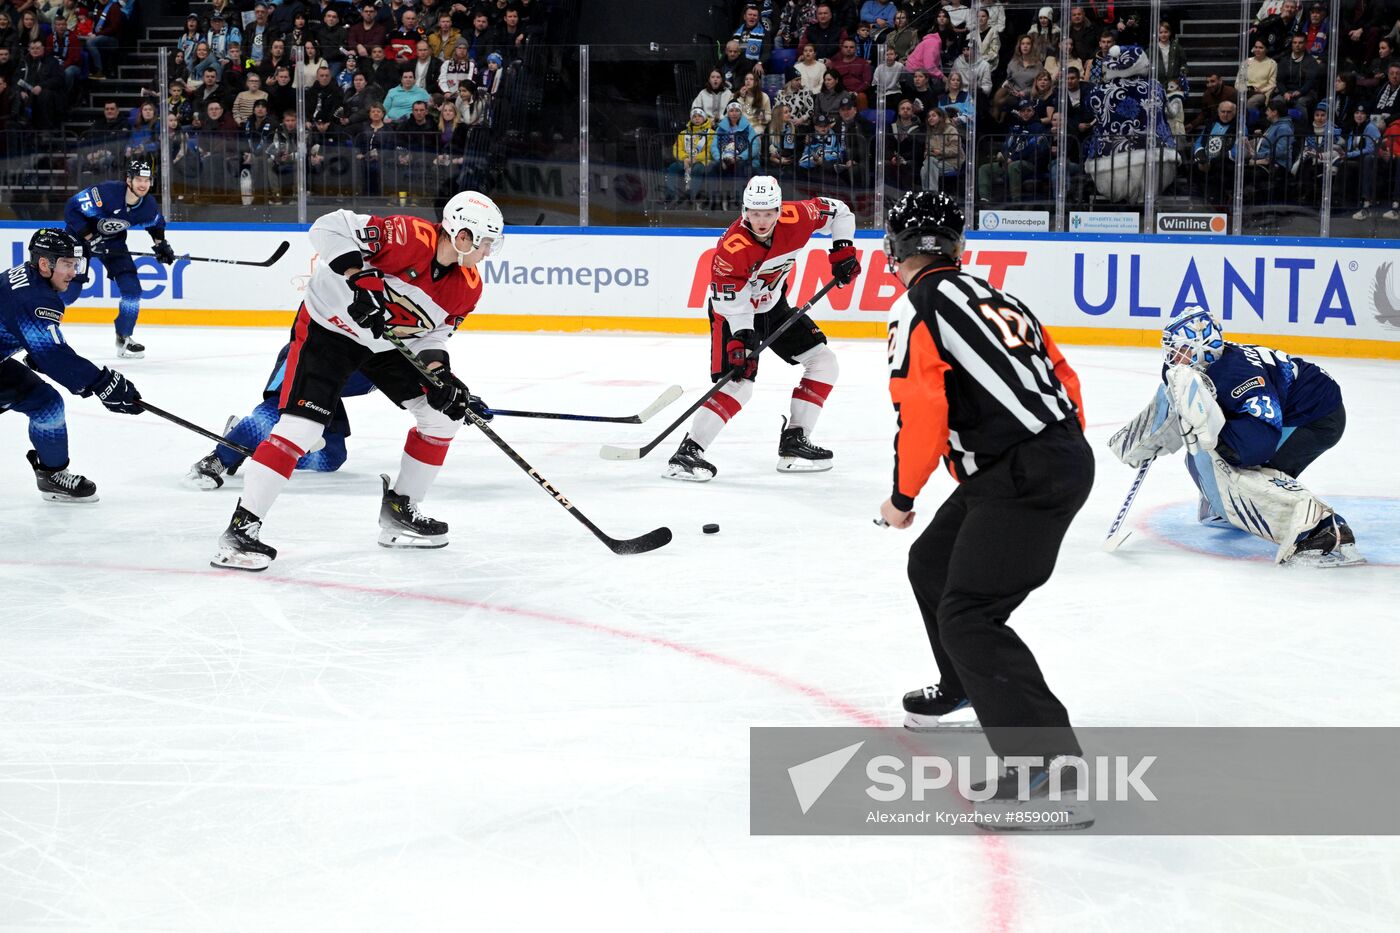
(137, 71)
(1212, 46)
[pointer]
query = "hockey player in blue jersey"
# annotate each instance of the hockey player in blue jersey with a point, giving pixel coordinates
(252, 430)
(32, 299)
(208, 473)
(101, 216)
(1252, 419)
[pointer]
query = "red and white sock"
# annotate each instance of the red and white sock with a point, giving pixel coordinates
(423, 456)
(715, 414)
(267, 472)
(819, 372)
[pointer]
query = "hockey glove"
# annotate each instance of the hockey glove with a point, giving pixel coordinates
(163, 251)
(742, 353)
(114, 391)
(479, 406)
(845, 264)
(370, 306)
(1193, 396)
(450, 396)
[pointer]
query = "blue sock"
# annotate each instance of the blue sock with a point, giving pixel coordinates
(250, 432)
(126, 315)
(48, 429)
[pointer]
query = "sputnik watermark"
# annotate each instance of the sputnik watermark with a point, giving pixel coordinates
(1065, 777)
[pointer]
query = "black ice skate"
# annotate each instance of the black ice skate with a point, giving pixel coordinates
(129, 349)
(208, 472)
(932, 710)
(58, 485)
(796, 454)
(1048, 802)
(239, 547)
(402, 525)
(1330, 543)
(688, 463)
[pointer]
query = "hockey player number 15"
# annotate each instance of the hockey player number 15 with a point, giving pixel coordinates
(1005, 319)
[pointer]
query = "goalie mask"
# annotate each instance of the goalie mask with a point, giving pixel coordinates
(475, 212)
(928, 222)
(1195, 339)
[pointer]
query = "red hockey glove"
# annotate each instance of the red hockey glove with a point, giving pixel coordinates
(845, 264)
(742, 353)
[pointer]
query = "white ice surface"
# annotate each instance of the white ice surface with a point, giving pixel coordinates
(524, 729)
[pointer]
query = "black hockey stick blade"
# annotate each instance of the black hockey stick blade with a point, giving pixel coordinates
(612, 452)
(191, 426)
(666, 398)
(650, 541)
(269, 261)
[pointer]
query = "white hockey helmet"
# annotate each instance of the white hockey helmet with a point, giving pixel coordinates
(763, 193)
(474, 211)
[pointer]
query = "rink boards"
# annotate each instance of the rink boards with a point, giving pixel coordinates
(1323, 296)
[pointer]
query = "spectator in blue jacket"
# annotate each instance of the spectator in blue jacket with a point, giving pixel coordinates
(825, 157)
(734, 147)
(1026, 151)
(878, 15)
(1360, 139)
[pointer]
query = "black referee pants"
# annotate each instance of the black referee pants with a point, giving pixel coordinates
(994, 540)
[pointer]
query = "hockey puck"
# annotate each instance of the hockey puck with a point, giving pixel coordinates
(711, 529)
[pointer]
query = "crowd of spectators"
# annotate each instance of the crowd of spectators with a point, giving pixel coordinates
(827, 76)
(816, 81)
(49, 50)
(395, 95)
(1294, 139)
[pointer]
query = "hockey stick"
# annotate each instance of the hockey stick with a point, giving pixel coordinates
(609, 452)
(276, 255)
(666, 398)
(1116, 536)
(650, 541)
(176, 419)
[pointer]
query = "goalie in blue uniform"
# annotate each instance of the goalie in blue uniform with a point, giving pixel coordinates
(101, 216)
(32, 300)
(1251, 419)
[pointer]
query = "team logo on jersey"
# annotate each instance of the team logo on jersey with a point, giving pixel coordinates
(722, 266)
(1254, 382)
(111, 226)
(398, 230)
(773, 277)
(405, 317)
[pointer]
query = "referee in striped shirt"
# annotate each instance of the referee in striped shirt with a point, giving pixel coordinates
(978, 382)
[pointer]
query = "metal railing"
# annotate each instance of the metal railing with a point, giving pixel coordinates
(611, 158)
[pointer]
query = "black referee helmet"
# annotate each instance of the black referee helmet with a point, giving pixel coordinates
(924, 222)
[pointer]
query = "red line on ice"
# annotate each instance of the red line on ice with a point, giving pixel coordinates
(1002, 898)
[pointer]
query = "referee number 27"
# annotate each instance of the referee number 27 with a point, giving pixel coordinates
(1015, 327)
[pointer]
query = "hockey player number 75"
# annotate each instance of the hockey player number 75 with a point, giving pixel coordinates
(1004, 319)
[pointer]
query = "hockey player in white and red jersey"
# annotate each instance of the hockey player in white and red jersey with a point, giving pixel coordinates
(748, 301)
(401, 274)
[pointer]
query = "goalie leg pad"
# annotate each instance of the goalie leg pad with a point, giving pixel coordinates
(1262, 501)
(1154, 431)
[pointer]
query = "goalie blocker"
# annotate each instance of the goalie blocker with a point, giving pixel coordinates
(1246, 449)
